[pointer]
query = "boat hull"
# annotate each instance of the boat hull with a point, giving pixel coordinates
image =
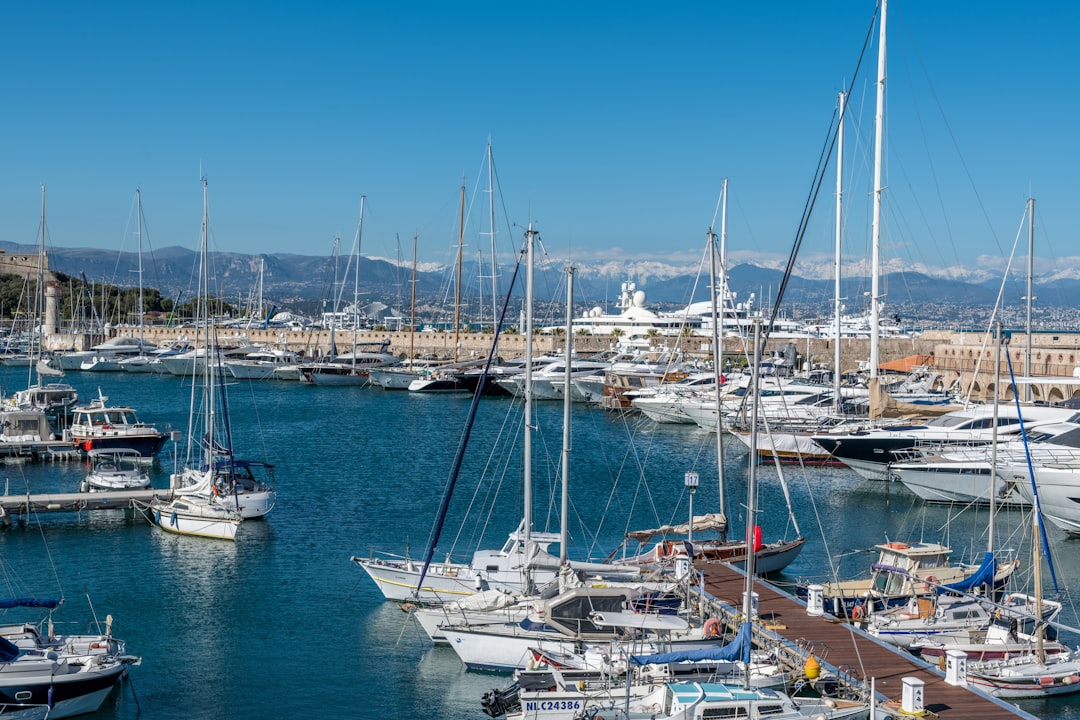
(443, 582)
(182, 518)
(77, 692)
(146, 445)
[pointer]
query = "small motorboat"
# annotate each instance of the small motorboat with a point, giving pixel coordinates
(115, 469)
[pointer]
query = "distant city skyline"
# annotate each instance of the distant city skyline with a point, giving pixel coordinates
(612, 125)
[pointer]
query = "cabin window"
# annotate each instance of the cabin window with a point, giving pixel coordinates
(725, 712)
(766, 710)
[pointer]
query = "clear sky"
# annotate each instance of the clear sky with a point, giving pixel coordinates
(612, 123)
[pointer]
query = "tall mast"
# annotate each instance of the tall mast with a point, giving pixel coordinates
(39, 299)
(718, 348)
(994, 442)
(491, 220)
(460, 248)
(138, 204)
(879, 123)
(412, 305)
(751, 488)
(564, 527)
(530, 244)
(1030, 297)
(356, 281)
(839, 239)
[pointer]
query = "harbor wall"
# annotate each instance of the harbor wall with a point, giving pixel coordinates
(957, 356)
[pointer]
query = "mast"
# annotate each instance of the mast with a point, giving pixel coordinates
(530, 242)
(994, 443)
(879, 122)
(39, 300)
(564, 528)
(356, 281)
(1040, 648)
(457, 296)
(1030, 297)
(336, 292)
(751, 489)
(839, 239)
(412, 308)
(259, 302)
(491, 220)
(718, 349)
(142, 325)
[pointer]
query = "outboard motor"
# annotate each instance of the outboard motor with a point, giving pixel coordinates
(496, 703)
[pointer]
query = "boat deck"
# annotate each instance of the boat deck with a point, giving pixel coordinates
(853, 652)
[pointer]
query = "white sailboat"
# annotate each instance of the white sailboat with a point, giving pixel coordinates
(214, 491)
(52, 400)
(520, 565)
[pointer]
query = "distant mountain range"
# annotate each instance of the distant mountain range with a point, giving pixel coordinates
(297, 281)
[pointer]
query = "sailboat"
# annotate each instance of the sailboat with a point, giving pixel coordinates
(769, 558)
(50, 674)
(399, 377)
(550, 693)
(351, 368)
(451, 378)
(522, 563)
(53, 400)
(214, 491)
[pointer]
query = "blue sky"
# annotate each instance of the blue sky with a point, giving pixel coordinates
(612, 123)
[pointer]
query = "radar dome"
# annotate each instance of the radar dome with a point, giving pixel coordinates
(596, 311)
(639, 298)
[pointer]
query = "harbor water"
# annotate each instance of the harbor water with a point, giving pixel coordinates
(282, 624)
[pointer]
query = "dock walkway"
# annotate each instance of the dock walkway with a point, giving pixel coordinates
(13, 505)
(851, 651)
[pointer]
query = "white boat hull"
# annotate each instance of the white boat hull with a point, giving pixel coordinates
(195, 518)
(320, 378)
(1057, 488)
(444, 582)
(505, 648)
(252, 505)
(392, 379)
(951, 483)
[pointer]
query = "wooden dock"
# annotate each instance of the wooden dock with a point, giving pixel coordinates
(15, 505)
(852, 652)
(40, 450)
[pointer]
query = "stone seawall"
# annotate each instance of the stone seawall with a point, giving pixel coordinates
(967, 357)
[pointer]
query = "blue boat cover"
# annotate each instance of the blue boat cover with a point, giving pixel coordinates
(983, 576)
(8, 650)
(7, 603)
(737, 649)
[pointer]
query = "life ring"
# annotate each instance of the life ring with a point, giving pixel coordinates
(929, 582)
(857, 612)
(711, 628)
(214, 489)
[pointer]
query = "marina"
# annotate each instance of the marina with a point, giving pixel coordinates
(804, 493)
(121, 558)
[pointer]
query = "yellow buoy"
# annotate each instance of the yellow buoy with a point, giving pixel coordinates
(812, 668)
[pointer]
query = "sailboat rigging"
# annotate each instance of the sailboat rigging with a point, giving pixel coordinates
(215, 490)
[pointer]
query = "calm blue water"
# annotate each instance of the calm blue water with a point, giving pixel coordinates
(281, 623)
